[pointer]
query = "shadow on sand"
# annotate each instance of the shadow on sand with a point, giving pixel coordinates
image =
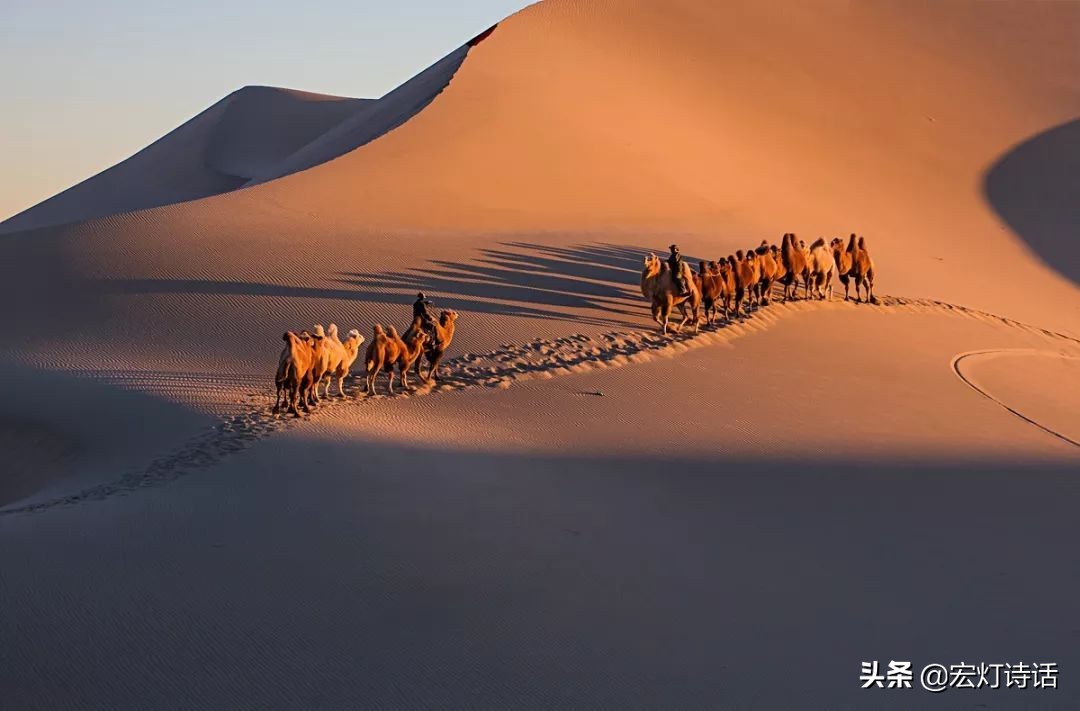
(513, 279)
(1035, 188)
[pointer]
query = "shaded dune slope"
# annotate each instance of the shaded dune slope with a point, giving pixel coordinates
(1035, 188)
(218, 150)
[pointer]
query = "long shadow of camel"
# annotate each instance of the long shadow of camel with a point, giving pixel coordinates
(593, 284)
(1035, 188)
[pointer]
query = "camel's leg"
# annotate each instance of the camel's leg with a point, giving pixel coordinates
(405, 376)
(390, 382)
(684, 310)
(294, 399)
(433, 371)
(665, 315)
(277, 399)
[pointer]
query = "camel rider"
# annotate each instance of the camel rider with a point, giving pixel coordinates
(675, 264)
(420, 311)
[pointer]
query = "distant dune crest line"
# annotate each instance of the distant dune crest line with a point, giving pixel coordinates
(254, 135)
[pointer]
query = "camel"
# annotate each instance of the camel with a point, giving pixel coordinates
(746, 278)
(727, 280)
(388, 350)
(794, 265)
(381, 355)
(781, 270)
(436, 349)
(769, 272)
(862, 269)
(321, 364)
(713, 286)
(658, 286)
(842, 258)
(294, 373)
(342, 356)
(820, 268)
(409, 352)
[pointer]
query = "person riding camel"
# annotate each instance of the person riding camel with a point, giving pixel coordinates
(675, 265)
(427, 319)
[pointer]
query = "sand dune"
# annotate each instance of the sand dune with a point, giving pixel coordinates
(520, 181)
(219, 150)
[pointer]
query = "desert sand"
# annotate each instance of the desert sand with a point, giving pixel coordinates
(584, 513)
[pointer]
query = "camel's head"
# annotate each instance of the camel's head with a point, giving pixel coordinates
(355, 336)
(378, 331)
(448, 317)
(319, 332)
(419, 338)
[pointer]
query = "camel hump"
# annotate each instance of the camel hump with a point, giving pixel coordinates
(851, 243)
(819, 242)
(862, 243)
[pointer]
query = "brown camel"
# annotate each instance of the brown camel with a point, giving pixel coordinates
(436, 349)
(727, 281)
(843, 264)
(712, 285)
(862, 269)
(293, 377)
(781, 270)
(387, 351)
(770, 270)
(382, 354)
(658, 286)
(409, 351)
(320, 364)
(746, 274)
(794, 265)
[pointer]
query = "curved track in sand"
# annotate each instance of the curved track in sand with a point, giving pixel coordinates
(963, 361)
(511, 363)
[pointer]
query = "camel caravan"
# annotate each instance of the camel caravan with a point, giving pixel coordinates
(311, 359)
(745, 280)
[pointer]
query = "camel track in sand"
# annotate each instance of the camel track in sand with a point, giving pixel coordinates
(501, 368)
(959, 371)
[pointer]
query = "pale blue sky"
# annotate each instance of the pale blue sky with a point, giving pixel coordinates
(86, 84)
